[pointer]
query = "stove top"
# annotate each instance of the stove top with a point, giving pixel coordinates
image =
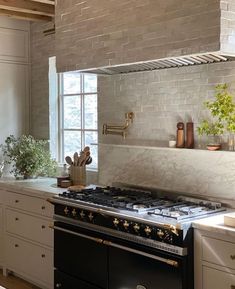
(144, 203)
(157, 219)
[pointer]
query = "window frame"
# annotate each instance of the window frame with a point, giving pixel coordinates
(82, 130)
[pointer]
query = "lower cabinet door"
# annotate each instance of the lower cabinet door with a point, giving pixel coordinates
(29, 260)
(216, 279)
(64, 281)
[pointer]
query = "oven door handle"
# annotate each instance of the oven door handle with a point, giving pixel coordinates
(97, 240)
(161, 259)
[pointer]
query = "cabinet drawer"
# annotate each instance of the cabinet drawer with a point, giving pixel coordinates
(218, 252)
(215, 279)
(28, 203)
(29, 227)
(30, 260)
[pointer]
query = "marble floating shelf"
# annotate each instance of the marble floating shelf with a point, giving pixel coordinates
(151, 147)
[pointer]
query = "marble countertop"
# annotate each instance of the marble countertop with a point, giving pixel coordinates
(46, 187)
(41, 187)
(215, 224)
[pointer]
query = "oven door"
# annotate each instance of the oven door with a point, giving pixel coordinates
(108, 262)
(136, 269)
(80, 255)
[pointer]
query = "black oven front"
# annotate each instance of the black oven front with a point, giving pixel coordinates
(87, 259)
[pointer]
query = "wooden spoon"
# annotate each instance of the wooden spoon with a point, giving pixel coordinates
(75, 159)
(87, 156)
(89, 161)
(81, 158)
(68, 160)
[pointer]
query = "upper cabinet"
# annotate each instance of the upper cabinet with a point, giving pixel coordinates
(14, 77)
(14, 37)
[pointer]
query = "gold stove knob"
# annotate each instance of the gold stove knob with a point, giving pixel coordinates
(74, 212)
(136, 227)
(160, 234)
(82, 214)
(66, 211)
(147, 230)
(126, 225)
(90, 216)
(116, 222)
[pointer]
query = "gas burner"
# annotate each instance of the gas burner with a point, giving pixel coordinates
(145, 203)
(139, 206)
(186, 210)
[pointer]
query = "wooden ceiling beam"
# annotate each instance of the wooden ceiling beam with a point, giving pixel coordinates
(28, 7)
(25, 16)
(50, 2)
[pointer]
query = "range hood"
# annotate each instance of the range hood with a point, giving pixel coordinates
(171, 62)
(113, 37)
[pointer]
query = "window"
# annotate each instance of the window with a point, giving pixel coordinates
(78, 114)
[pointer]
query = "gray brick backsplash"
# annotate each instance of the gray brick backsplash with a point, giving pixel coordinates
(42, 47)
(160, 99)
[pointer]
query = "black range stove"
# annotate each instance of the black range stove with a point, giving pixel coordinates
(137, 213)
(156, 226)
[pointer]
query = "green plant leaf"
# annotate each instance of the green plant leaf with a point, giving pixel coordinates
(29, 157)
(222, 110)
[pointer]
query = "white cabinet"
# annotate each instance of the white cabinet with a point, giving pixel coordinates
(29, 204)
(216, 279)
(28, 239)
(1, 231)
(14, 77)
(214, 260)
(30, 227)
(30, 261)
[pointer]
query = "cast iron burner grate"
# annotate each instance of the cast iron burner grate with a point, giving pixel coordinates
(144, 202)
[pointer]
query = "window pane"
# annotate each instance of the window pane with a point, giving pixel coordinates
(90, 83)
(72, 112)
(91, 138)
(90, 111)
(72, 143)
(72, 83)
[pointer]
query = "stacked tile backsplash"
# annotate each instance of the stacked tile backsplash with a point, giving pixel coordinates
(159, 100)
(42, 47)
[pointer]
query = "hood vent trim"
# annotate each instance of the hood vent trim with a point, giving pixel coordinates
(171, 62)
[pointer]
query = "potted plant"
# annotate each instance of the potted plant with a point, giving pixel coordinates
(213, 132)
(28, 157)
(222, 109)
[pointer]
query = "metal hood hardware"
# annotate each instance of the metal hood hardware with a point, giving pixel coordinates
(169, 62)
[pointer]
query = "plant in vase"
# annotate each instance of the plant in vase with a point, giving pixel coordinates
(222, 110)
(28, 157)
(213, 131)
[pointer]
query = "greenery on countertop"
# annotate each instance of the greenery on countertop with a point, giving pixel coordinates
(222, 110)
(29, 157)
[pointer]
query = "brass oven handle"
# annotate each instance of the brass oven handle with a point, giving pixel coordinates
(76, 234)
(108, 243)
(164, 260)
